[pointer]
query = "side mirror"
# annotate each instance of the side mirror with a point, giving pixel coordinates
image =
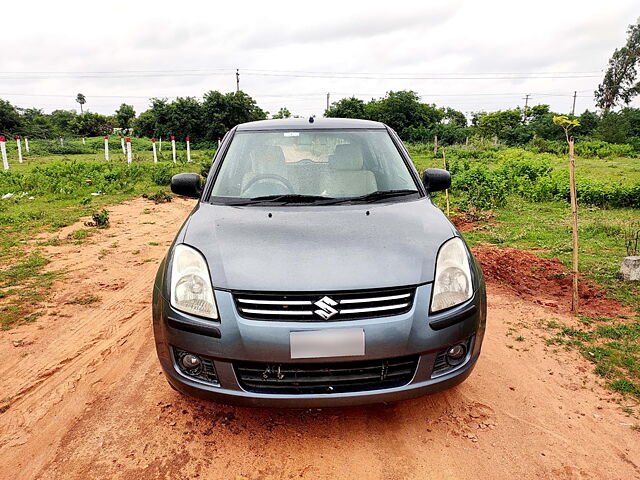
(436, 179)
(186, 184)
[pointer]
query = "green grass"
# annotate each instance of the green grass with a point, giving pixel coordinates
(61, 196)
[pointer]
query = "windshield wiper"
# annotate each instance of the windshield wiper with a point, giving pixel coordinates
(283, 198)
(374, 196)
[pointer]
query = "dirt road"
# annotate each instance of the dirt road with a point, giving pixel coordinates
(86, 398)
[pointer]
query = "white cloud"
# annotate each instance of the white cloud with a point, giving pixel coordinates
(458, 37)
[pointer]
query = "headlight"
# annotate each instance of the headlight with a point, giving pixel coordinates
(191, 289)
(452, 285)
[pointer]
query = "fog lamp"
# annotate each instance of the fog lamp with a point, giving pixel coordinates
(190, 361)
(455, 355)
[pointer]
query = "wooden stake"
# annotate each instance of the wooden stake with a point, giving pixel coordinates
(446, 191)
(574, 214)
(435, 144)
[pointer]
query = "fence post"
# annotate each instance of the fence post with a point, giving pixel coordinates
(124, 151)
(446, 191)
(106, 148)
(173, 148)
(574, 224)
(3, 148)
(155, 155)
(435, 144)
(19, 144)
(26, 143)
(188, 151)
(62, 141)
(160, 144)
(83, 141)
(129, 151)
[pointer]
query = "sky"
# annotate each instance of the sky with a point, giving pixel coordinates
(469, 55)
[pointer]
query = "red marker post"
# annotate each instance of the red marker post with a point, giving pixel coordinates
(3, 148)
(106, 148)
(188, 151)
(155, 155)
(19, 145)
(129, 158)
(173, 148)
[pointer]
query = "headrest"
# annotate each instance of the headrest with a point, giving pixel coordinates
(267, 159)
(347, 157)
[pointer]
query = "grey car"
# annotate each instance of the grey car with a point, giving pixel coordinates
(314, 271)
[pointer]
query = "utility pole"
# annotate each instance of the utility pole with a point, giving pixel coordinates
(573, 108)
(526, 103)
(328, 95)
(237, 79)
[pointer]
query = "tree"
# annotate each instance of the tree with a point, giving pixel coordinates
(499, 123)
(124, 115)
(589, 121)
(403, 109)
(9, 118)
(61, 120)
(81, 99)
(619, 83)
(222, 112)
(91, 125)
(346, 108)
(282, 113)
(613, 128)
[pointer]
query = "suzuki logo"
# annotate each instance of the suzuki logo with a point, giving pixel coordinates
(325, 307)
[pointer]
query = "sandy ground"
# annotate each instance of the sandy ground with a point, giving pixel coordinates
(89, 400)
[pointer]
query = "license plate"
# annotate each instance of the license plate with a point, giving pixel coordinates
(336, 342)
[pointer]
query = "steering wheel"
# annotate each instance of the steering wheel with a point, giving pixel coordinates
(269, 176)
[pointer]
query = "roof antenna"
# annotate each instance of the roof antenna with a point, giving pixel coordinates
(310, 119)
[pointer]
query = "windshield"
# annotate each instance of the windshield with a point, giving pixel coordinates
(312, 166)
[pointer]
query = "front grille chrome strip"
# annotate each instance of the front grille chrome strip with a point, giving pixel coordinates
(274, 302)
(276, 312)
(373, 309)
(374, 299)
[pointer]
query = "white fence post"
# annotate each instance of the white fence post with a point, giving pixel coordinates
(83, 141)
(129, 159)
(124, 151)
(155, 155)
(160, 144)
(106, 148)
(26, 143)
(19, 144)
(62, 141)
(173, 148)
(188, 151)
(3, 148)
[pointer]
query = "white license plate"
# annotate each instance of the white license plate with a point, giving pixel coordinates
(336, 342)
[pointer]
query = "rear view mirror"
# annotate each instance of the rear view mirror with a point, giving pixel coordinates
(436, 179)
(186, 184)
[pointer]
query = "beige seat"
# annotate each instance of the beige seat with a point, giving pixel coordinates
(346, 176)
(265, 160)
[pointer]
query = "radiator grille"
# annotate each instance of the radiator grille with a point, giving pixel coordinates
(330, 306)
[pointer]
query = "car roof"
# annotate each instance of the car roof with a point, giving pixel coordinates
(305, 124)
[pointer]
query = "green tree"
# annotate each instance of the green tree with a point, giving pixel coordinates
(9, 118)
(124, 115)
(35, 123)
(81, 99)
(589, 121)
(346, 108)
(61, 120)
(613, 128)
(91, 125)
(282, 113)
(222, 112)
(403, 109)
(499, 123)
(619, 84)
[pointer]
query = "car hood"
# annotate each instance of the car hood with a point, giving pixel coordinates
(319, 248)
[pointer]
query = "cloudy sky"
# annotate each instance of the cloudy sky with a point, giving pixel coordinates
(470, 55)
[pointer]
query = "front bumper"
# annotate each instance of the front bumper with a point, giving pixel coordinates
(235, 338)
